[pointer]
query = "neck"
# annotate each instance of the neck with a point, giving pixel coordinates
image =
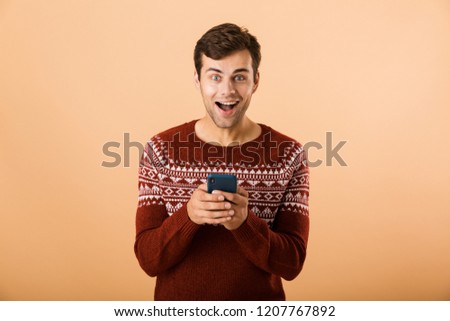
(246, 130)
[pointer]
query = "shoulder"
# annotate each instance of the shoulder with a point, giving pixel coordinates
(181, 133)
(283, 142)
(158, 148)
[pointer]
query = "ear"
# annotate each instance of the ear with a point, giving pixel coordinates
(196, 79)
(256, 82)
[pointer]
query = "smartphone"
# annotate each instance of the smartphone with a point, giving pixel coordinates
(222, 182)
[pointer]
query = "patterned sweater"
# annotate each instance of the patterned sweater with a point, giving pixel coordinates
(207, 262)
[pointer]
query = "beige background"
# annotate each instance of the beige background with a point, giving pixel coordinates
(76, 74)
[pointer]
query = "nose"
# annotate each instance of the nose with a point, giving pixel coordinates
(227, 88)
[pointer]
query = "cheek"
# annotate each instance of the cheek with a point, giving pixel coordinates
(246, 91)
(209, 90)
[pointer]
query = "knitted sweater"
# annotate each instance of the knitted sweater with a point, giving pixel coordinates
(207, 262)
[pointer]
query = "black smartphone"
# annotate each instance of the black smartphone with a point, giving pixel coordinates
(222, 182)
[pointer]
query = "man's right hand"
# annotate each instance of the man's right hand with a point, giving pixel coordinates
(205, 208)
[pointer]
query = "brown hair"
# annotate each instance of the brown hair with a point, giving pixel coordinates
(222, 40)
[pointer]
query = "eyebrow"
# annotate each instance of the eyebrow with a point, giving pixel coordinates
(234, 72)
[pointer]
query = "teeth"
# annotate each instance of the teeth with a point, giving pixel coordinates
(229, 103)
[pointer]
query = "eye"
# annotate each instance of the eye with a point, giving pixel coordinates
(239, 78)
(215, 77)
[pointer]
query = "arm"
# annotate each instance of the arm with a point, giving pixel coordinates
(282, 249)
(161, 240)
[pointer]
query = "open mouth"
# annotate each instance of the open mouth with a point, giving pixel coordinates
(226, 106)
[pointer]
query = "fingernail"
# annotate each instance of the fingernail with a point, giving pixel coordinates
(227, 205)
(231, 212)
(221, 198)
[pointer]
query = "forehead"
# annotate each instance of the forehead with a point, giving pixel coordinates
(236, 60)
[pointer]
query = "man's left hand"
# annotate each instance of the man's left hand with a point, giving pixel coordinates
(239, 204)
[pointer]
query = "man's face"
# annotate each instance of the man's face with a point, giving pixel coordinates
(227, 86)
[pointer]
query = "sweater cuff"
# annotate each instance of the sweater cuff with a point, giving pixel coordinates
(181, 221)
(252, 225)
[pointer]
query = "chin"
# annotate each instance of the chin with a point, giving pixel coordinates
(222, 124)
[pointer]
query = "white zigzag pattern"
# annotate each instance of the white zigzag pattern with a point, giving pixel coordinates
(271, 190)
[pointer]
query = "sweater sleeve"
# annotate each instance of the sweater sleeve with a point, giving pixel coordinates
(161, 240)
(280, 250)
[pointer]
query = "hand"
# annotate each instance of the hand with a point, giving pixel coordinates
(239, 205)
(205, 208)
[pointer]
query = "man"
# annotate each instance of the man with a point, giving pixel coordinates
(220, 245)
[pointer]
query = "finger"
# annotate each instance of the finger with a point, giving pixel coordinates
(242, 191)
(214, 217)
(218, 220)
(203, 187)
(207, 218)
(215, 206)
(216, 214)
(207, 197)
(231, 197)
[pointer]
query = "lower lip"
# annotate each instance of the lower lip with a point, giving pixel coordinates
(226, 113)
